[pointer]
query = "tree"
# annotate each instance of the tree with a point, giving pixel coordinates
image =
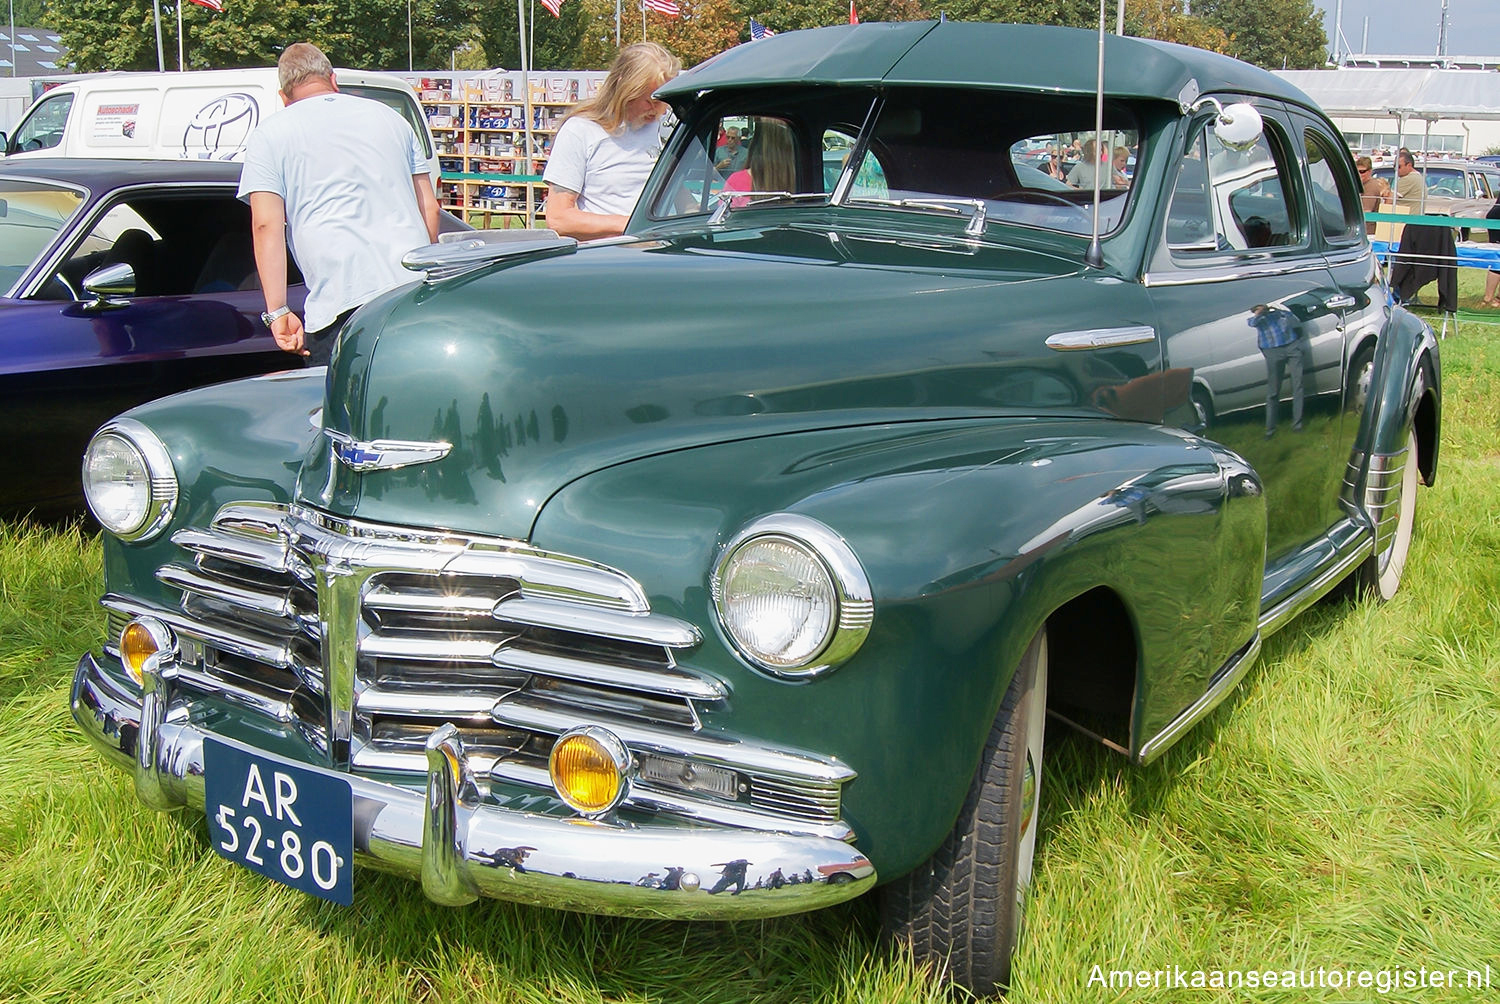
(1275, 34)
(1165, 21)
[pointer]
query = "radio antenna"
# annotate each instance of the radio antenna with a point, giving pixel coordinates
(1094, 256)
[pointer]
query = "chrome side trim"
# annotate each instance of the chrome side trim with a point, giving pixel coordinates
(1229, 272)
(1101, 338)
(1275, 618)
(274, 604)
(1222, 684)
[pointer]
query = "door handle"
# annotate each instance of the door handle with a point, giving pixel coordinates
(1339, 302)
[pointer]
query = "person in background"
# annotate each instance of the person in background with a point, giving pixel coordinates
(346, 182)
(1121, 162)
(1492, 277)
(1373, 190)
(1055, 166)
(1410, 189)
(731, 154)
(607, 145)
(772, 164)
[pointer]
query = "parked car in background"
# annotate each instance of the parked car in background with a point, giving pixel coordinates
(123, 281)
(1454, 187)
(747, 583)
(198, 115)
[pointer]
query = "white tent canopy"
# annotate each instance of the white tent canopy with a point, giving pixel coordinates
(1430, 95)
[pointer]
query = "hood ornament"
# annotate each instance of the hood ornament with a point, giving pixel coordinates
(384, 454)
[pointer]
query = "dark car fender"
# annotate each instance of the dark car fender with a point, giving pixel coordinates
(241, 441)
(972, 534)
(1406, 347)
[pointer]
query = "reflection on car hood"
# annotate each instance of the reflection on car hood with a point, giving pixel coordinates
(534, 380)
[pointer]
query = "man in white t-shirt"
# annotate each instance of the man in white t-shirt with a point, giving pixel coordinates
(607, 146)
(345, 180)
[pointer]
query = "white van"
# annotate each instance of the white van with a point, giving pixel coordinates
(197, 115)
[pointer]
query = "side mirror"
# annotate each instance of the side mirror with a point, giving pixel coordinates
(109, 281)
(1238, 126)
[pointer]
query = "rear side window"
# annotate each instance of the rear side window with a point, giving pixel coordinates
(1336, 205)
(401, 103)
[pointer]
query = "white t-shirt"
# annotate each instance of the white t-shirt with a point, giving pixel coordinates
(344, 167)
(606, 171)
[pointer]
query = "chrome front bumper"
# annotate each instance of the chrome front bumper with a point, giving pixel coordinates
(462, 847)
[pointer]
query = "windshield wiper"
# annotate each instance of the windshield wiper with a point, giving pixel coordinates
(975, 226)
(726, 198)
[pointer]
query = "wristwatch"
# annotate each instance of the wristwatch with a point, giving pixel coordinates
(269, 316)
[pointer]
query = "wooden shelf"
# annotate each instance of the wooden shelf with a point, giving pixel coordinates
(467, 186)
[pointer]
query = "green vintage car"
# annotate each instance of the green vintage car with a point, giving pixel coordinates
(732, 568)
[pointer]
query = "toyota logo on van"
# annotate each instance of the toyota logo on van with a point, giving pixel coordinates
(219, 129)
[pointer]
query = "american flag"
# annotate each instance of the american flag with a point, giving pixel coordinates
(210, 4)
(759, 31)
(667, 7)
(555, 6)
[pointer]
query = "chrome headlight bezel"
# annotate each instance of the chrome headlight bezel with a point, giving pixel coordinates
(159, 484)
(854, 607)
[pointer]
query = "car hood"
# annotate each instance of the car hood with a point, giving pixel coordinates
(539, 370)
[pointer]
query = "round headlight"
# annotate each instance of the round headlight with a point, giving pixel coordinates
(128, 480)
(791, 596)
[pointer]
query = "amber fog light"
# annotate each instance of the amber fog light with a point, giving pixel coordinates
(141, 639)
(590, 769)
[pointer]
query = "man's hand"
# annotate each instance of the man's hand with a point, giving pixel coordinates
(287, 330)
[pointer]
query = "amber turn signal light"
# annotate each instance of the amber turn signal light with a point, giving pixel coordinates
(590, 770)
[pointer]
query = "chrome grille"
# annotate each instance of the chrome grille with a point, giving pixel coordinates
(370, 637)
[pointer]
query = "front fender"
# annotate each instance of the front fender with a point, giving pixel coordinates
(971, 534)
(241, 441)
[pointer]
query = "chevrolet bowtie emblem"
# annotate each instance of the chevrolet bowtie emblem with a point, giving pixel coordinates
(384, 454)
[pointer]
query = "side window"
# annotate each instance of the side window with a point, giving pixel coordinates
(869, 180)
(1336, 205)
(1227, 200)
(43, 128)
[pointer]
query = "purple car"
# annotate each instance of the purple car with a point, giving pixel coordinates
(123, 280)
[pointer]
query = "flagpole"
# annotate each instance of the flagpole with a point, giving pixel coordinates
(617, 28)
(179, 36)
(525, 87)
(161, 61)
(643, 20)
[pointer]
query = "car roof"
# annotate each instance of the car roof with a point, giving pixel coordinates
(954, 53)
(98, 174)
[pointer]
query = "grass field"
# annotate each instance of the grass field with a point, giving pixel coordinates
(1341, 811)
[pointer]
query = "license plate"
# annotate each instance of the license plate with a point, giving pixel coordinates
(286, 822)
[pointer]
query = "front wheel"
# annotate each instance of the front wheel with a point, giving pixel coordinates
(961, 910)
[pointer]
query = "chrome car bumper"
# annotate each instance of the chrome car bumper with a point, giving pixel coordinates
(461, 847)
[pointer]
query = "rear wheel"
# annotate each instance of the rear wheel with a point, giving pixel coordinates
(961, 910)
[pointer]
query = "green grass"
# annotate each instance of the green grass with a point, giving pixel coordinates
(1341, 811)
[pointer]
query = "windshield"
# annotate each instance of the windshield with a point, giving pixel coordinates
(979, 156)
(31, 214)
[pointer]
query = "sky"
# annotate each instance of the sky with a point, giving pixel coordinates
(1410, 27)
